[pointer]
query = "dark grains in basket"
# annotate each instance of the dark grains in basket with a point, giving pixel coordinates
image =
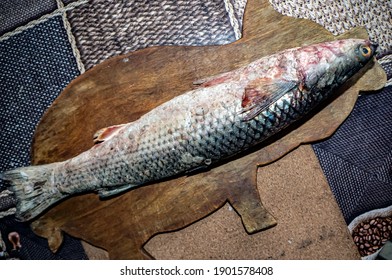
(371, 235)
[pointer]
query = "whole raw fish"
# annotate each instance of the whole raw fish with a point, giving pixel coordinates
(225, 115)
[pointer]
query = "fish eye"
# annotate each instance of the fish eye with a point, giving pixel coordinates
(365, 50)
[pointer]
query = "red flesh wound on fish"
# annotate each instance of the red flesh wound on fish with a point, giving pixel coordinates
(261, 93)
(106, 133)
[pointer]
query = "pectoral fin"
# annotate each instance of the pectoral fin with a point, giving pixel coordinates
(106, 133)
(261, 93)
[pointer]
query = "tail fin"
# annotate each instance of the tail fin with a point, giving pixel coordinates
(33, 188)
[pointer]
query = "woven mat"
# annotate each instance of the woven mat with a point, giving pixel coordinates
(340, 16)
(45, 44)
(103, 30)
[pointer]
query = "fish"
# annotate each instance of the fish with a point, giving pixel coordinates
(222, 116)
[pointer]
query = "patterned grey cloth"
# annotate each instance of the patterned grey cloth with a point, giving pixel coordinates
(340, 16)
(36, 248)
(104, 30)
(357, 160)
(7, 202)
(35, 66)
(17, 13)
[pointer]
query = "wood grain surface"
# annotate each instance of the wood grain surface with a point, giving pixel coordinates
(123, 88)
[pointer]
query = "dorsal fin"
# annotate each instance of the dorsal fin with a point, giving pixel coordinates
(261, 93)
(106, 133)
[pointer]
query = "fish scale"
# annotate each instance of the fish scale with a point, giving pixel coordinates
(224, 116)
(207, 142)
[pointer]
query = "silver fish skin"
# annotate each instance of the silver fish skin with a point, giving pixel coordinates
(224, 116)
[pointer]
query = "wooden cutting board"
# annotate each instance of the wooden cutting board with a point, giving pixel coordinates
(123, 88)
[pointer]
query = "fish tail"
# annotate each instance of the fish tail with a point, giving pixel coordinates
(33, 188)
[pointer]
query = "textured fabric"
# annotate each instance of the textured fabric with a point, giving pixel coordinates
(386, 63)
(342, 15)
(6, 202)
(15, 13)
(35, 66)
(104, 28)
(239, 10)
(36, 248)
(357, 160)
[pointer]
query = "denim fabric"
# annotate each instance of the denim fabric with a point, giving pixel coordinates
(357, 159)
(36, 248)
(35, 66)
(16, 13)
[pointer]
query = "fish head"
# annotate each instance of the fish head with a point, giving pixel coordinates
(315, 70)
(330, 64)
